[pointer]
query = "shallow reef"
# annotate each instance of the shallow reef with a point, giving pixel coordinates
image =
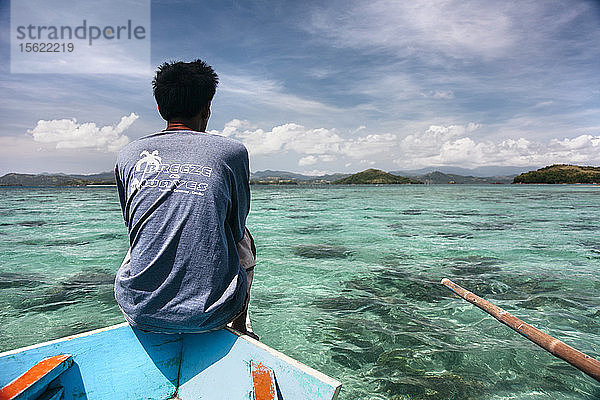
(321, 251)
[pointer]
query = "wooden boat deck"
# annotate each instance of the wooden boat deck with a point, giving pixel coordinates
(123, 362)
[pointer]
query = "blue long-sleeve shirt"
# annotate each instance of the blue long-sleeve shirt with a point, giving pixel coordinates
(185, 197)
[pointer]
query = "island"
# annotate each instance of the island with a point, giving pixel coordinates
(273, 181)
(439, 178)
(374, 177)
(561, 173)
(42, 180)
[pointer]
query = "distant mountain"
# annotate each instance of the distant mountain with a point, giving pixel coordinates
(268, 174)
(486, 171)
(102, 176)
(14, 179)
(269, 177)
(438, 177)
(374, 176)
(432, 175)
(561, 173)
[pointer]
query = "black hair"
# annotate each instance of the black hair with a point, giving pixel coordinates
(182, 89)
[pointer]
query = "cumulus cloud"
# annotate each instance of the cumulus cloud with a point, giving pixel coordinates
(284, 138)
(308, 160)
(69, 134)
(430, 142)
(311, 159)
(313, 146)
(437, 145)
(371, 145)
(451, 146)
(233, 126)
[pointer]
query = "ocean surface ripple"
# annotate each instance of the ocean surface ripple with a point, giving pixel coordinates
(347, 281)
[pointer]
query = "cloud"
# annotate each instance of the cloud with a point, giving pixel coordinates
(311, 160)
(437, 145)
(430, 142)
(441, 94)
(233, 126)
(450, 146)
(284, 138)
(270, 92)
(308, 160)
(68, 134)
(543, 104)
(378, 146)
(419, 55)
(118, 57)
(454, 28)
(23, 154)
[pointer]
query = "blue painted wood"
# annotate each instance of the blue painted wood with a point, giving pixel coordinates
(108, 364)
(53, 394)
(218, 367)
(121, 362)
(32, 384)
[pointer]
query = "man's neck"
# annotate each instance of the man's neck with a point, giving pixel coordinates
(197, 124)
(179, 126)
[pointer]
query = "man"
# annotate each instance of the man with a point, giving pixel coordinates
(185, 197)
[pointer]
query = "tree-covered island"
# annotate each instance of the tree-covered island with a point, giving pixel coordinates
(561, 173)
(375, 176)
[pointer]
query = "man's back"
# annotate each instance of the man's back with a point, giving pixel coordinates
(185, 197)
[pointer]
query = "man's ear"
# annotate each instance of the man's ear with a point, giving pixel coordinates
(205, 112)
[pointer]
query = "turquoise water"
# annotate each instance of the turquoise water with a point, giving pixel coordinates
(348, 281)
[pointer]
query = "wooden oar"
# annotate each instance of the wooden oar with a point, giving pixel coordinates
(573, 356)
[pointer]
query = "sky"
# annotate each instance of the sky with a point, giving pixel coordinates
(335, 86)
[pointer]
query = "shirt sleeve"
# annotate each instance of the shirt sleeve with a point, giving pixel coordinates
(240, 196)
